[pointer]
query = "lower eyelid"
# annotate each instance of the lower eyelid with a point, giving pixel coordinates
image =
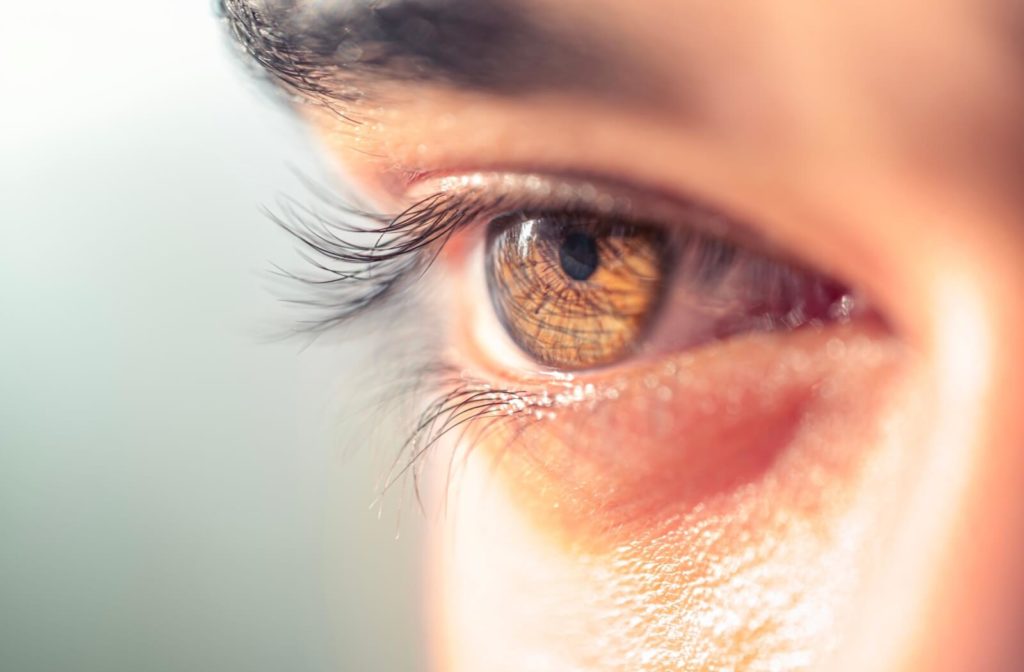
(624, 453)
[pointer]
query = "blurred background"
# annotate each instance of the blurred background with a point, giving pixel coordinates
(173, 490)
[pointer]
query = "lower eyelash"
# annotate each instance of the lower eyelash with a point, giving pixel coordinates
(463, 412)
(460, 410)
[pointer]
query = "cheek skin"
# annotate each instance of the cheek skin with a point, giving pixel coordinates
(717, 514)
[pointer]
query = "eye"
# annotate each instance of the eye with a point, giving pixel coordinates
(572, 290)
(576, 290)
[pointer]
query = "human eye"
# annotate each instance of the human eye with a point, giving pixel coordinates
(579, 286)
(567, 304)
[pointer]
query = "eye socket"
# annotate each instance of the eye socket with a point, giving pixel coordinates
(576, 291)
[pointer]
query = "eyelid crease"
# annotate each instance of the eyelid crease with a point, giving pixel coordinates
(581, 192)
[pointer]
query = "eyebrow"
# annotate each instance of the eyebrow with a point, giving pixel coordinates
(332, 51)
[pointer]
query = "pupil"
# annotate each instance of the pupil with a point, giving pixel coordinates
(578, 255)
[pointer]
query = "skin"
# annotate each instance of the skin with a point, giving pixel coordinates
(860, 506)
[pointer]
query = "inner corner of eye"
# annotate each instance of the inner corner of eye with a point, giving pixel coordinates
(577, 291)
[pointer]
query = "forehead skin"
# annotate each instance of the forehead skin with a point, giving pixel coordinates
(879, 138)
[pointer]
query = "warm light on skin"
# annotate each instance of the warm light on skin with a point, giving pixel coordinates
(699, 574)
(970, 496)
(843, 498)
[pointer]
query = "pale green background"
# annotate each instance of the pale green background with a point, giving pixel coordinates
(173, 493)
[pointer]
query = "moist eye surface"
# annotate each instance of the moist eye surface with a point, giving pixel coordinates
(578, 290)
(574, 290)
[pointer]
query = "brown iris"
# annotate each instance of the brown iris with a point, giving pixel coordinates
(573, 290)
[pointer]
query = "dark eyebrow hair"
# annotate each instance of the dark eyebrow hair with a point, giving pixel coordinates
(330, 51)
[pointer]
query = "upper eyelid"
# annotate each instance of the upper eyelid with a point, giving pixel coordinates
(359, 259)
(525, 190)
(603, 196)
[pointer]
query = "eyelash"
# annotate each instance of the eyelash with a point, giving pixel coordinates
(357, 263)
(358, 260)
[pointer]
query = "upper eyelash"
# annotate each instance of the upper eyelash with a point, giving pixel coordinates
(359, 259)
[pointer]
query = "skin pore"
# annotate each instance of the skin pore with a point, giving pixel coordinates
(844, 497)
